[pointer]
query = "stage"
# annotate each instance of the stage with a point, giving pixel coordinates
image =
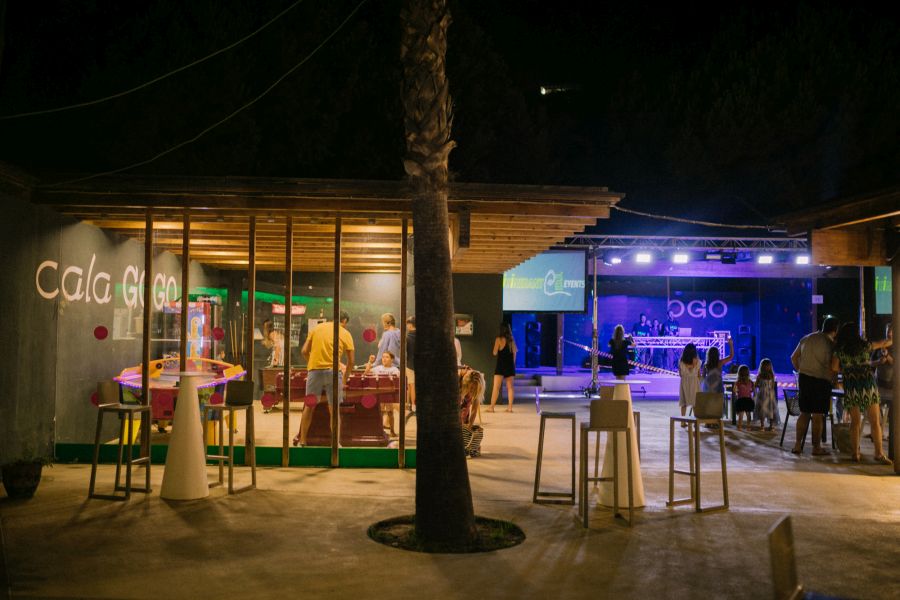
(661, 386)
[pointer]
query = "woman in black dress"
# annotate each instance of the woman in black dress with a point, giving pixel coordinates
(618, 346)
(505, 351)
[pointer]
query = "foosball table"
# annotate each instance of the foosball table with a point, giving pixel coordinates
(364, 399)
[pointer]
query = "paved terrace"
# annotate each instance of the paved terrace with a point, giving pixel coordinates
(302, 533)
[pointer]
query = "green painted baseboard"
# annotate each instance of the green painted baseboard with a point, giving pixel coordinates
(354, 458)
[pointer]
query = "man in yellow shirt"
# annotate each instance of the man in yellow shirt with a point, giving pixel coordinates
(319, 353)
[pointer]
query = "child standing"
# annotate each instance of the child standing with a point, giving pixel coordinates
(689, 370)
(743, 391)
(766, 395)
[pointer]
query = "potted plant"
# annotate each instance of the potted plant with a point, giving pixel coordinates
(22, 475)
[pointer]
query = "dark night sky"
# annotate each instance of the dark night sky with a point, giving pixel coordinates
(736, 112)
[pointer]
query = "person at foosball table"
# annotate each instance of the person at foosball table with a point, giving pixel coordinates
(386, 367)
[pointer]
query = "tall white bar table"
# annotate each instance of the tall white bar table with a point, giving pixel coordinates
(622, 391)
(184, 477)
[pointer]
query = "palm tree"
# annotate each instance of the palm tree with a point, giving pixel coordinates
(444, 514)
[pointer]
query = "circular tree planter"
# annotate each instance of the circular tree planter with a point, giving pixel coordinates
(491, 534)
(21, 479)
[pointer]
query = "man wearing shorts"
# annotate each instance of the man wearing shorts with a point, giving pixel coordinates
(319, 353)
(812, 360)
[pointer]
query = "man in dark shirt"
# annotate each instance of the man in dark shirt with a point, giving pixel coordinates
(670, 328)
(641, 329)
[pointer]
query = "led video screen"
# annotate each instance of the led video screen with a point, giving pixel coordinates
(549, 282)
(883, 290)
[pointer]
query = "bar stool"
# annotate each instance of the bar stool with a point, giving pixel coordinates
(540, 497)
(707, 411)
(238, 396)
(637, 427)
(110, 401)
(612, 417)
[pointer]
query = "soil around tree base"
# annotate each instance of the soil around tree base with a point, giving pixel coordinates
(491, 534)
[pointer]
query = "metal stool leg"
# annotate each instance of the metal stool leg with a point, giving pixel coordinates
(573, 454)
(671, 461)
(697, 465)
(540, 458)
(96, 453)
(119, 450)
(130, 456)
(584, 471)
(230, 450)
(250, 444)
(630, 482)
(615, 437)
(724, 468)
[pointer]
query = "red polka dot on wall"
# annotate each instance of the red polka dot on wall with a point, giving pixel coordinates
(369, 335)
(101, 332)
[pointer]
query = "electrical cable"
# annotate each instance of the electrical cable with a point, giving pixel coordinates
(154, 80)
(692, 221)
(221, 121)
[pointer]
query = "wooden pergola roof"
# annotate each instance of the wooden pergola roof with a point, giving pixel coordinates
(857, 231)
(493, 227)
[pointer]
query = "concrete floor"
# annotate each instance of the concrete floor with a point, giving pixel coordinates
(303, 532)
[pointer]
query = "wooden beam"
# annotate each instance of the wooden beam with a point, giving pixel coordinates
(848, 247)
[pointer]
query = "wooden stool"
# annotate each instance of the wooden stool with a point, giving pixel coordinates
(637, 427)
(610, 416)
(540, 497)
(109, 390)
(693, 431)
(238, 396)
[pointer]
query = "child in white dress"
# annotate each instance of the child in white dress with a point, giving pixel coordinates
(689, 370)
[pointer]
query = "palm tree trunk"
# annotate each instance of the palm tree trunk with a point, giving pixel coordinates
(444, 513)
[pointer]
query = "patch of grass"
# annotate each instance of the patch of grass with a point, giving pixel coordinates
(490, 535)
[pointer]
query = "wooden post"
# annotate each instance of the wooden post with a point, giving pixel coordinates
(185, 286)
(336, 345)
(251, 297)
(895, 401)
(401, 456)
(145, 344)
(251, 320)
(288, 289)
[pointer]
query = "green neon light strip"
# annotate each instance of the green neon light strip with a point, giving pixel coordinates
(361, 458)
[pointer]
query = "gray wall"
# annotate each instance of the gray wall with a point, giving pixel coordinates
(54, 360)
(27, 333)
(480, 296)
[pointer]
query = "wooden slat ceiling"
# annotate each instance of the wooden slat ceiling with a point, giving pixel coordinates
(508, 224)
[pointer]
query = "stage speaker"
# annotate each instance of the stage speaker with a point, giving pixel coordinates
(744, 330)
(745, 357)
(532, 344)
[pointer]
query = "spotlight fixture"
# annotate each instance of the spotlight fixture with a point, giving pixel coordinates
(729, 258)
(764, 259)
(615, 260)
(801, 259)
(643, 258)
(680, 258)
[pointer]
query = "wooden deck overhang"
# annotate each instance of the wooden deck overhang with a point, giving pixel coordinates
(493, 227)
